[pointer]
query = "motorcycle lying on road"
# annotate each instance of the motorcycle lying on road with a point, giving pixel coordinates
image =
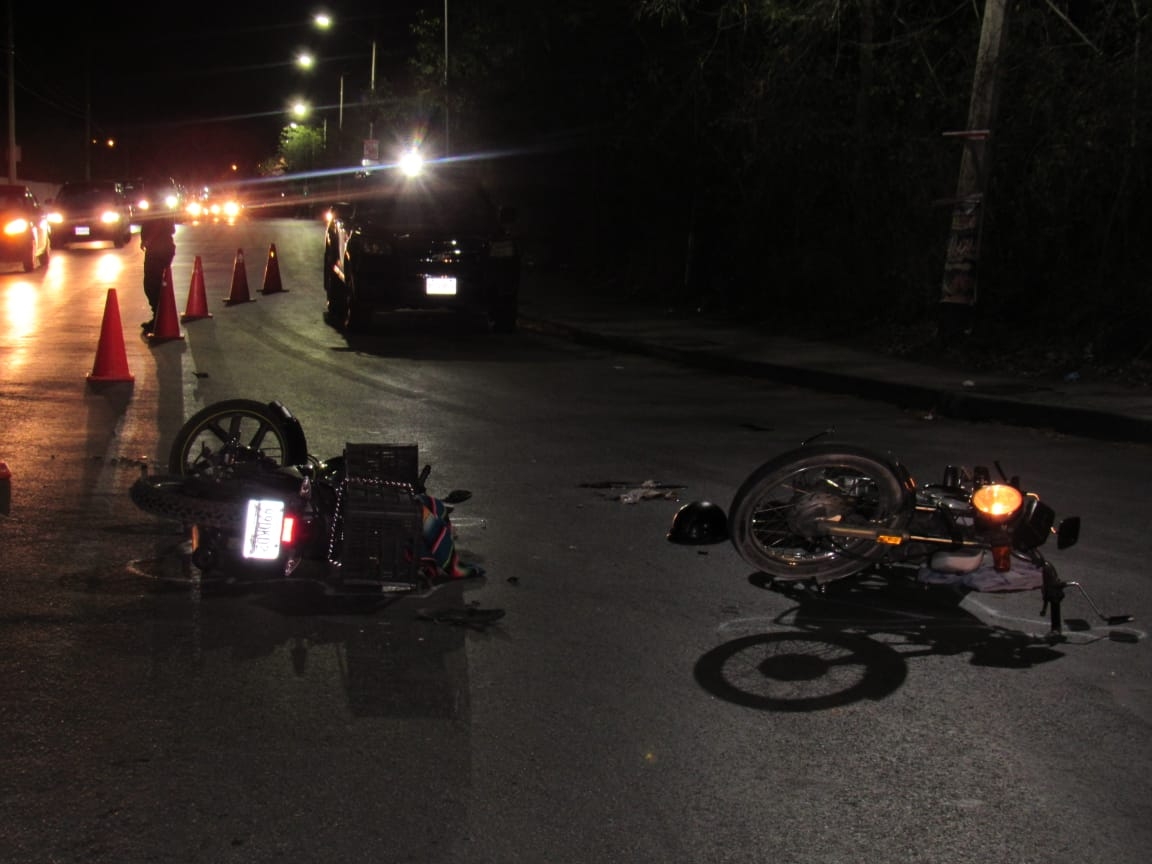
(828, 511)
(261, 508)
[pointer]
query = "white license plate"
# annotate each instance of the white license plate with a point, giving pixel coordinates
(81, 230)
(263, 526)
(440, 285)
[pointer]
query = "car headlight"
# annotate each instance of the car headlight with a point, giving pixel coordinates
(109, 217)
(55, 218)
(17, 226)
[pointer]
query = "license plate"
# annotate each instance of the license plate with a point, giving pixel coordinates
(440, 285)
(263, 526)
(81, 230)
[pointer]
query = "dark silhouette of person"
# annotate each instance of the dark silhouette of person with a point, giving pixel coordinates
(158, 240)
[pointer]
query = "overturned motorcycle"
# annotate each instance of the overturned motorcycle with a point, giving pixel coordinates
(827, 511)
(261, 508)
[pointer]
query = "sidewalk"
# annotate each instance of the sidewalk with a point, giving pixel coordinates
(1085, 407)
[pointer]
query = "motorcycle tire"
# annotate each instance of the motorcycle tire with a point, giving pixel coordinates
(773, 514)
(258, 426)
(169, 497)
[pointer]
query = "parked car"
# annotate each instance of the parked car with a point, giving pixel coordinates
(25, 239)
(435, 240)
(90, 210)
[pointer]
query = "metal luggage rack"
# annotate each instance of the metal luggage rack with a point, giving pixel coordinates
(381, 518)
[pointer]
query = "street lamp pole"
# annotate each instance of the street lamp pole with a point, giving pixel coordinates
(11, 46)
(447, 144)
(372, 90)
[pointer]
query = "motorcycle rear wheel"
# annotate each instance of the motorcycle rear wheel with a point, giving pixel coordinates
(252, 424)
(774, 513)
(167, 496)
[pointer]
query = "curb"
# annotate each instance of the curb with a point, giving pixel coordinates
(958, 405)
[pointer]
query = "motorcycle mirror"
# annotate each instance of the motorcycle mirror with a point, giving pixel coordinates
(1068, 532)
(456, 496)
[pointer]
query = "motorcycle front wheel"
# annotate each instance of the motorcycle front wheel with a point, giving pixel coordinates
(252, 425)
(776, 513)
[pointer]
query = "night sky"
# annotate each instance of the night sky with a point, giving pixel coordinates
(184, 89)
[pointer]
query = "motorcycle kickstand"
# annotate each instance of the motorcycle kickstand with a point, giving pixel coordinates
(1110, 620)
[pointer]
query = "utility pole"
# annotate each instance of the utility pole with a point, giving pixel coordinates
(447, 125)
(958, 291)
(11, 49)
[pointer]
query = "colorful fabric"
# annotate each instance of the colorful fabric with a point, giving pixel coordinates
(439, 553)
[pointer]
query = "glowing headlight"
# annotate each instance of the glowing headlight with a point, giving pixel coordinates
(997, 502)
(109, 217)
(16, 226)
(411, 163)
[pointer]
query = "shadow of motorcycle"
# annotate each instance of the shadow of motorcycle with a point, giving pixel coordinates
(850, 641)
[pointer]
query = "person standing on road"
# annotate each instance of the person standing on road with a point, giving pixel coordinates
(158, 240)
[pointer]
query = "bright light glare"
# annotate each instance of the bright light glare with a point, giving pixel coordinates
(411, 163)
(997, 500)
(20, 310)
(16, 226)
(109, 267)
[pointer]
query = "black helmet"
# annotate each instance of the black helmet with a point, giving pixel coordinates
(698, 523)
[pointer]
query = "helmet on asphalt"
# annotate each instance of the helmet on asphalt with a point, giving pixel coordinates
(698, 523)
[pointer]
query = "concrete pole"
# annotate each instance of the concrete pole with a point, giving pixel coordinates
(11, 46)
(958, 291)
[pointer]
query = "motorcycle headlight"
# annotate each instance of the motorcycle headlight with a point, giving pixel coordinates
(997, 503)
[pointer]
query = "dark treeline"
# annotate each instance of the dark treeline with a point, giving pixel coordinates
(787, 158)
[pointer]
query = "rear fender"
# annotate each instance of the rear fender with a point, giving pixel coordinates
(296, 443)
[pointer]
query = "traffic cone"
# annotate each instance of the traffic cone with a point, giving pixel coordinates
(5, 489)
(166, 325)
(197, 306)
(111, 358)
(239, 292)
(272, 283)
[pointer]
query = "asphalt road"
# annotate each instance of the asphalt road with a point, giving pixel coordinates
(640, 701)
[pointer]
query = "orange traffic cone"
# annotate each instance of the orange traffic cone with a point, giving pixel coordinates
(197, 306)
(239, 293)
(111, 358)
(272, 283)
(167, 326)
(5, 489)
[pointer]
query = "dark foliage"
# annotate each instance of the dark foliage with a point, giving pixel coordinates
(786, 158)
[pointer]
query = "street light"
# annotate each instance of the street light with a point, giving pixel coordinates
(323, 21)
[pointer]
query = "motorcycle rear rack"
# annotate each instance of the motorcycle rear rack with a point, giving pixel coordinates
(379, 547)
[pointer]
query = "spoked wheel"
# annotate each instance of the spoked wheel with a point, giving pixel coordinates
(776, 515)
(252, 430)
(169, 497)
